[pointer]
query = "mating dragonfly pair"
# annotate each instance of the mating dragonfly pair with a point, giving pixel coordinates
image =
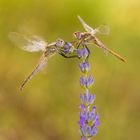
(36, 44)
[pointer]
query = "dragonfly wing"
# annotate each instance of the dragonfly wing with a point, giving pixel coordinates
(103, 30)
(87, 27)
(28, 43)
(40, 65)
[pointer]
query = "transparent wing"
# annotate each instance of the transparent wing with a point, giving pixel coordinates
(103, 29)
(87, 27)
(28, 43)
(39, 66)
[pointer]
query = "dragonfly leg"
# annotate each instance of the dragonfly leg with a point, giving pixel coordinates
(78, 45)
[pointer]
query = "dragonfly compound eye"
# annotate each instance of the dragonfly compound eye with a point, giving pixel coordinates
(77, 35)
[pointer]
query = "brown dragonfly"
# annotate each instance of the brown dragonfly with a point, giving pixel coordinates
(89, 37)
(36, 44)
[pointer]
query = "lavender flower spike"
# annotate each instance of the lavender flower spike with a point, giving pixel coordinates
(89, 119)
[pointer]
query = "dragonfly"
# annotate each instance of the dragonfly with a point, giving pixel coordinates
(37, 44)
(89, 37)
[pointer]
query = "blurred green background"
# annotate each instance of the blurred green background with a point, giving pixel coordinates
(47, 109)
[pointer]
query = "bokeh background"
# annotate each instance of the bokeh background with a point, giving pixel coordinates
(47, 109)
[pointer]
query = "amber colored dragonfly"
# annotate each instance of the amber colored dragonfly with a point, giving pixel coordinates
(36, 44)
(89, 37)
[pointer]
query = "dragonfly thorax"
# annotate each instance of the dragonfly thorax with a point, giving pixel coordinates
(50, 50)
(82, 35)
(86, 36)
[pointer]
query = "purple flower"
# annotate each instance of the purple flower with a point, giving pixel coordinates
(82, 53)
(90, 81)
(96, 122)
(86, 82)
(89, 120)
(88, 131)
(83, 81)
(82, 106)
(89, 116)
(84, 66)
(93, 131)
(82, 138)
(82, 119)
(87, 98)
(67, 47)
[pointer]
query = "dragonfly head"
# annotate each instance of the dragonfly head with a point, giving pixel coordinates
(59, 43)
(77, 35)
